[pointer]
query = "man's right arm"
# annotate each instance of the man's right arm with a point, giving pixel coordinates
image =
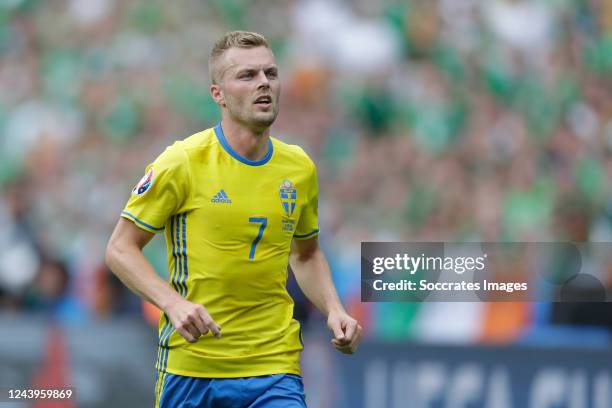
(125, 258)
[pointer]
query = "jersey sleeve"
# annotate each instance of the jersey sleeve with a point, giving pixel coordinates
(162, 192)
(308, 225)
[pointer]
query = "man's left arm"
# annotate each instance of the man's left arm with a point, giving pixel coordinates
(312, 273)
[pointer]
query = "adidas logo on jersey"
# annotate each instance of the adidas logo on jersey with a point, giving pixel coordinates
(221, 198)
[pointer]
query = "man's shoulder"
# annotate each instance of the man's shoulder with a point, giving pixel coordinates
(292, 152)
(181, 149)
(179, 152)
(197, 140)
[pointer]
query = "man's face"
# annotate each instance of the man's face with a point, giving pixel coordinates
(248, 86)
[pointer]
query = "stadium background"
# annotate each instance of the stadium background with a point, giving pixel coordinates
(429, 120)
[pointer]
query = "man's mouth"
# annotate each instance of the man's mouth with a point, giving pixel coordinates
(264, 100)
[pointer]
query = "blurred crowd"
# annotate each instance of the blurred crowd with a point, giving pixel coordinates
(429, 120)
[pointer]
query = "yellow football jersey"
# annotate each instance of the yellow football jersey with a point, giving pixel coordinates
(228, 224)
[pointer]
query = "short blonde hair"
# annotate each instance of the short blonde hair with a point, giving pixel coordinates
(232, 39)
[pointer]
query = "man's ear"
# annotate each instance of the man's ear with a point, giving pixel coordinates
(217, 94)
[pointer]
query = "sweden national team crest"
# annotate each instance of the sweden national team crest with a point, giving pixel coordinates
(288, 195)
(144, 184)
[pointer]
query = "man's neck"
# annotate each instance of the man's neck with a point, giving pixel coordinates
(248, 143)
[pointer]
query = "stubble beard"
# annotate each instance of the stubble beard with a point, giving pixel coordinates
(265, 119)
(249, 116)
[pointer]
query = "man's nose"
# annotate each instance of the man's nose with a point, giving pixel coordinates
(262, 80)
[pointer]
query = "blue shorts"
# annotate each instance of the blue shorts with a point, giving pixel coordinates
(267, 391)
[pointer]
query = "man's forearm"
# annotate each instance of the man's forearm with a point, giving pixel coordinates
(133, 269)
(314, 278)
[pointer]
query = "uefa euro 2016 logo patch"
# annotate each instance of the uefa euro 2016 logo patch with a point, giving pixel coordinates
(144, 184)
(288, 194)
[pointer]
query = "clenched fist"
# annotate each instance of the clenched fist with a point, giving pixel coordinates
(191, 320)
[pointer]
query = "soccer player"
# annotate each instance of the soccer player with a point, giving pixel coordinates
(236, 207)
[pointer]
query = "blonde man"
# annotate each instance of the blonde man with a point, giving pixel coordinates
(236, 206)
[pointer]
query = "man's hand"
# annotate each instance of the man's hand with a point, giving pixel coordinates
(347, 332)
(312, 273)
(191, 320)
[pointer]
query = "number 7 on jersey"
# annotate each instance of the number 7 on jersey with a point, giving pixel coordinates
(258, 220)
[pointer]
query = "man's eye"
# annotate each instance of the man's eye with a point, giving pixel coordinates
(247, 75)
(272, 74)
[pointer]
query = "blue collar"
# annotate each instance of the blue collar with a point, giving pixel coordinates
(232, 152)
